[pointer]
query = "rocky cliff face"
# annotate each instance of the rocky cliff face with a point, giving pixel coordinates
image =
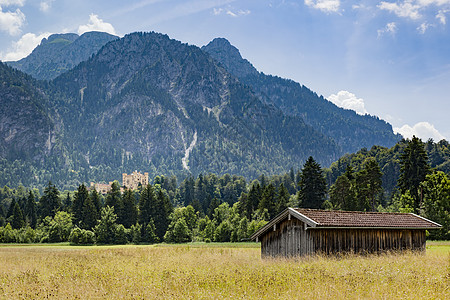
(27, 130)
(60, 53)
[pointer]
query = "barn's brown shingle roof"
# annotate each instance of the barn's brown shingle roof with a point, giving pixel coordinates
(329, 218)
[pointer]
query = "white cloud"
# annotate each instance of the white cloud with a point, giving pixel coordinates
(11, 22)
(96, 24)
(442, 17)
(217, 11)
(423, 130)
(46, 5)
(12, 2)
(324, 5)
(24, 46)
(423, 27)
(348, 100)
(414, 9)
(390, 28)
(407, 9)
(239, 13)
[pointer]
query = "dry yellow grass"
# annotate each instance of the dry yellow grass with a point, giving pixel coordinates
(180, 272)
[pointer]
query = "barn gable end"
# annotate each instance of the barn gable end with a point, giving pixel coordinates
(298, 232)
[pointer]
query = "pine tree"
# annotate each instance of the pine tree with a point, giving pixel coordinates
(373, 173)
(78, 204)
(30, 210)
(129, 214)
(163, 208)
(282, 198)
(17, 220)
(50, 202)
(146, 208)
(312, 185)
(95, 197)
(268, 200)
(11, 208)
(413, 169)
(113, 196)
(89, 215)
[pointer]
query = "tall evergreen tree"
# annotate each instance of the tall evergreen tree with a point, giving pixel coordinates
(95, 197)
(11, 208)
(114, 199)
(129, 214)
(413, 169)
(312, 185)
(113, 196)
(78, 204)
(268, 200)
(17, 220)
(163, 209)
(146, 208)
(50, 202)
(90, 215)
(373, 173)
(30, 213)
(282, 198)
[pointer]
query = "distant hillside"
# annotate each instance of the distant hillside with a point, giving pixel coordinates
(350, 130)
(60, 53)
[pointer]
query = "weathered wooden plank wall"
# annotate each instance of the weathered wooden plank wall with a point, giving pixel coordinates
(330, 241)
(291, 239)
(288, 239)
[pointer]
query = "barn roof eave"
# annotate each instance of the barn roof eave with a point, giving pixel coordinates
(281, 216)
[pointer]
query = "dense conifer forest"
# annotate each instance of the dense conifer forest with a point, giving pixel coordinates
(226, 208)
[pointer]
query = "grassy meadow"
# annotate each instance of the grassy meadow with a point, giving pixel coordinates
(216, 271)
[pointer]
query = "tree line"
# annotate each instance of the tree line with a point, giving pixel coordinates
(213, 208)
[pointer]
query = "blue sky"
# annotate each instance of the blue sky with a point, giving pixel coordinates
(386, 58)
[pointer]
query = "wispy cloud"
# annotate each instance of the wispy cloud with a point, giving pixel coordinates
(423, 27)
(418, 10)
(442, 17)
(327, 6)
(46, 5)
(132, 7)
(96, 24)
(12, 2)
(185, 9)
(230, 12)
(390, 28)
(407, 9)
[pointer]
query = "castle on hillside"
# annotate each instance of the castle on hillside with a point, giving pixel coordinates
(135, 179)
(131, 181)
(101, 188)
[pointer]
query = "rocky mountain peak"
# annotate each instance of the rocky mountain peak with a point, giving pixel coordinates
(228, 55)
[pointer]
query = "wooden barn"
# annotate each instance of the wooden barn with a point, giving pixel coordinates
(297, 231)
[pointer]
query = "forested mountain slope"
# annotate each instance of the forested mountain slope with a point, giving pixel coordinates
(28, 129)
(141, 100)
(150, 103)
(350, 130)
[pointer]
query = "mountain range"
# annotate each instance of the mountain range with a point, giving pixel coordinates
(94, 106)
